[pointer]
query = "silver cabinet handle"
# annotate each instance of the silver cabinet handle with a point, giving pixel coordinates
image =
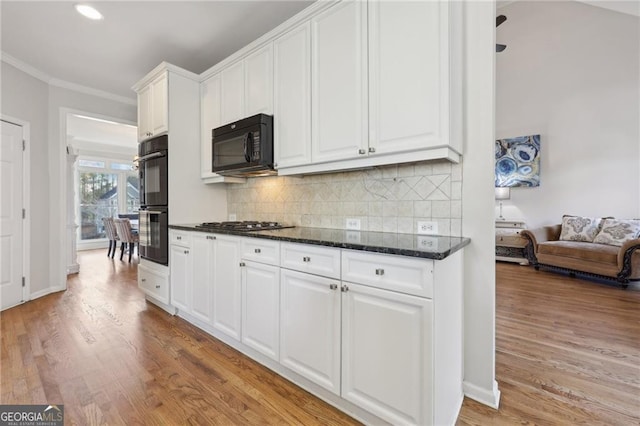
(186, 252)
(380, 271)
(210, 237)
(333, 286)
(362, 151)
(306, 259)
(372, 149)
(257, 250)
(157, 286)
(242, 264)
(178, 237)
(344, 288)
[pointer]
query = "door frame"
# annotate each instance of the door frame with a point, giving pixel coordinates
(26, 202)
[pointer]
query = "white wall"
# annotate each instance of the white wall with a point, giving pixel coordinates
(571, 73)
(26, 98)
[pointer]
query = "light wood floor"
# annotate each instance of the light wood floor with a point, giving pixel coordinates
(568, 352)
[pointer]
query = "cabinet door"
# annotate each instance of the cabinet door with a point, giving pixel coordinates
(261, 308)
(144, 113)
(232, 93)
(292, 97)
(226, 286)
(339, 82)
(258, 87)
(202, 288)
(387, 354)
(408, 81)
(310, 327)
(160, 107)
(211, 118)
(180, 261)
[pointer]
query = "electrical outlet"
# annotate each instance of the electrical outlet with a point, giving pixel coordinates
(353, 224)
(353, 237)
(428, 243)
(232, 217)
(427, 227)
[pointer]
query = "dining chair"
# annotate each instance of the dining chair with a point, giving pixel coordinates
(123, 228)
(112, 235)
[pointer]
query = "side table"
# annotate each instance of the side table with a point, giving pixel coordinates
(509, 243)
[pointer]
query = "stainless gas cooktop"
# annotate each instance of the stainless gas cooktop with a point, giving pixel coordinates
(246, 225)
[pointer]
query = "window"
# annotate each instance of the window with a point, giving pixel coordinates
(105, 188)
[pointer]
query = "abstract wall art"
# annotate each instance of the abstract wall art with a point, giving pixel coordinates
(518, 161)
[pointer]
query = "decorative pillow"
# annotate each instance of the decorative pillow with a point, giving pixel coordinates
(576, 228)
(615, 232)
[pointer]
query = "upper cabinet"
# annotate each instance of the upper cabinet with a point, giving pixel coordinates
(153, 108)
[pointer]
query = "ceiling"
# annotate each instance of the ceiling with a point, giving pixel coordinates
(84, 131)
(111, 55)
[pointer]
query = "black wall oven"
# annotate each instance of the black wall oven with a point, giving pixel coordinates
(153, 166)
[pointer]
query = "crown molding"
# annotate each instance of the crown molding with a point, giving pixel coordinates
(46, 78)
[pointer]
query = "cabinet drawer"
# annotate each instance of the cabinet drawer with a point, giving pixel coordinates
(181, 238)
(312, 259)
(397, 273)
(153, 284)
(259, 250)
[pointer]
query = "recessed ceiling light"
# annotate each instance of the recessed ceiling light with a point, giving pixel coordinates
(89, 12)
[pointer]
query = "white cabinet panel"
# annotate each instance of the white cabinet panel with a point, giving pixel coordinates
(160, 108)
(227, 307)
(180, 261)
(259, 250)
(153, 284)
(292, 97)
(258, 87)
(261, 308)
(310, 327)
(144, 112)
(387, 354)
(232, 93)
(408, 75)
(312, 259)
(210, 119)
(339, 82)
(202, 277)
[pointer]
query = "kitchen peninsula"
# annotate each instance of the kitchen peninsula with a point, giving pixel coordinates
(371, 322)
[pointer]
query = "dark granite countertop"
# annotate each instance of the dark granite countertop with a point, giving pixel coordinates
(426, 246)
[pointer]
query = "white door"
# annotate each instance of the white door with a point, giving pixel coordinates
(202, 278)
(160, 107)
(227, 289)
(386, 354)
(339, 82)
(232, 93)
(261, 308)
(210, 119)
(310, 327)
(144, 112)
(258, 87)
(180, 277)
(292, 97)
(11, 221)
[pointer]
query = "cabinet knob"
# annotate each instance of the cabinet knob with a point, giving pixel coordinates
(186, 252)
(275, 165)
(372, 149)
(178, 237)
(333, 286)
(379, 271)
(362, 151)
(143, 280)
(344, 288)
(157, 286)
(242, 264)
(210, 237)
(306, 259)
(257, 250)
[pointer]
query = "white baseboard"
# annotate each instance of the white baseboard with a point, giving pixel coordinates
(490, 397)
(44, 292)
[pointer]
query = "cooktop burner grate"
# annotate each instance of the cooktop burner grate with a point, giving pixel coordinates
(246, 225)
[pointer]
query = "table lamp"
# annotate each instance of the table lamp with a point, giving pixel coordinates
(502, 194)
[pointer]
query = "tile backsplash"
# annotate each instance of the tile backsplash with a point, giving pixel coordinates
(390, 198)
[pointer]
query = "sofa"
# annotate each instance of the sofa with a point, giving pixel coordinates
(597, 247)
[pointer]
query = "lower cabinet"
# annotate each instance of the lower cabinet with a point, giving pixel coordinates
(202, 253)
(310, 327)
(261, 308)
(227, 305)
(386, 353)
(154, 281)
(181, 269)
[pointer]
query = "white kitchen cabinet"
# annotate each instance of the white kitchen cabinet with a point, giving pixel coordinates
(211, 117)
(181, 267)
(409, 76)
(258, 82)
(153, 108)
(292, 97)
(310, 327)
(232, 93)
(227, 289)
(387, 353)
(261, 308)
(202, 254)
(153, 282)
(339, 82)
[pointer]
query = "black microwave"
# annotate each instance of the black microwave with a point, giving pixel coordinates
(244, 148)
